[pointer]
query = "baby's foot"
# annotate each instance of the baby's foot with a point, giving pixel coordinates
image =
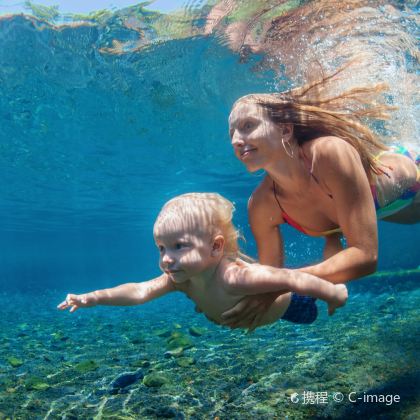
(339, 299)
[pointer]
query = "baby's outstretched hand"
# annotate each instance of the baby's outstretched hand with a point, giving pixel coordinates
(75, 302)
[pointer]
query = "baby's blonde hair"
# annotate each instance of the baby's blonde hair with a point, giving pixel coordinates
(208, 213)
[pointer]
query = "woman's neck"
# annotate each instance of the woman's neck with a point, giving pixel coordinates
(289, 173)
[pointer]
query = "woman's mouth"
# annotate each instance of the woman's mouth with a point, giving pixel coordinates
(246, 152)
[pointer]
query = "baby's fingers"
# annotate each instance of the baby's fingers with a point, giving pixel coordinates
(70, 299)
(241, 263)
(62, 305)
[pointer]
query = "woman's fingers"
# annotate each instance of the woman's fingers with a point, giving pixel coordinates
(239, 319)
(255, 322)
(249, 312)
(237, 309)
(245, 320)
(243, 310)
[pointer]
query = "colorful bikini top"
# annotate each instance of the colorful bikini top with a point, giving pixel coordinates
(403, 201)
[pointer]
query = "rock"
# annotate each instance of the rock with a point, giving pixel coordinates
(140, 363)
(390, 300)
(125, 379)
(59, 336)
(155, 379)
(36, 384)
(176, 334)
(175, 352)
(169, 413)
(86, 366)
(137, 340)
(196, 331)
(185, 361)
(179, 340)
(162, 332)
(14, 361)
(290, 391)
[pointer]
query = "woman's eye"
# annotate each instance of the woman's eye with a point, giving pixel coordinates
(180, 245)
(248, 125)
(161, 248)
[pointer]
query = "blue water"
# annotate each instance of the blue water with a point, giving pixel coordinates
(92, 145)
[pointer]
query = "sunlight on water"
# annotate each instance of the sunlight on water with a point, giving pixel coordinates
(85, 102)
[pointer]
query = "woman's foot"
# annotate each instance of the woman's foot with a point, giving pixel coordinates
(340, 298)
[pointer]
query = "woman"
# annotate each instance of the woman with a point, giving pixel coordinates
(327, 174)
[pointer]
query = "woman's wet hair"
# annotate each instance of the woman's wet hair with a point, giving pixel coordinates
(314, 112)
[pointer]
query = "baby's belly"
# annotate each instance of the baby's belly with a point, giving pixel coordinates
(214, 310)
(215, 306)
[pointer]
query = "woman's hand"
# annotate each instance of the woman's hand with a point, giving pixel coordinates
(249, 312)
(75, 302)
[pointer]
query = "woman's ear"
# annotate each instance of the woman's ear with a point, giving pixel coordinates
(287, 131)
(218, 245)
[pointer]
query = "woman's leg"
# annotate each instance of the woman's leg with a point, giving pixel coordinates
(408, 215)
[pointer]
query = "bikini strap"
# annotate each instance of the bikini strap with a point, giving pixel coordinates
(378, 170)
(275, 196)
(309, 165)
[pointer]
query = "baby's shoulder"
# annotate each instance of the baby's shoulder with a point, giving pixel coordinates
(232, 272)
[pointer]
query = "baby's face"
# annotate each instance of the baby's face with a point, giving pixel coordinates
(184, 254)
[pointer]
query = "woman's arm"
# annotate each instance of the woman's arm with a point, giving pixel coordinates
(264, 217)
(332, 245)
(340, 168)
(123, 295)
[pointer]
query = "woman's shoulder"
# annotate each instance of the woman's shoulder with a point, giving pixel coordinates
(328, 147)
(333, 158)
(262, 204)
(263, 192)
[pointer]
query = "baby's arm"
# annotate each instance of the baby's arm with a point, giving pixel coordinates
(122, 295)
(250, 279)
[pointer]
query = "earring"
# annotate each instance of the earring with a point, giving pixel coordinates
(289, 153)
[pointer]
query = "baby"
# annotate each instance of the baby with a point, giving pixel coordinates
(199, 256)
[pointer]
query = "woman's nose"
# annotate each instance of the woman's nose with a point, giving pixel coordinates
(237, 139)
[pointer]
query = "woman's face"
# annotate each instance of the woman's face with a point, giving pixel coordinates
(256, 140)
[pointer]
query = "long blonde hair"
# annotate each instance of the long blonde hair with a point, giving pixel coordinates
(315, 112)
(203, 212)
